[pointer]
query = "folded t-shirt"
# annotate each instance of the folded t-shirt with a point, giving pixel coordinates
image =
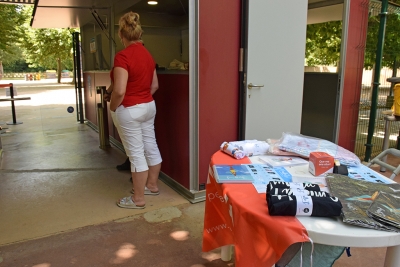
(306, 186)
(297, 192)
(303, 205)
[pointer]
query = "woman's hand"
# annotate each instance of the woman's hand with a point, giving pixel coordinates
(107, 93)
(107, 96)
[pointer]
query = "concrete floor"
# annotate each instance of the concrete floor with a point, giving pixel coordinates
(58, 191)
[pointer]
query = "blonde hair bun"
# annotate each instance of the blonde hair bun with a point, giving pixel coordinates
(129, 26)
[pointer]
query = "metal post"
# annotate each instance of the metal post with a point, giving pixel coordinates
(102, 119)
(377, 73)
(78, 75)
(12, 104)
(74, 47)
(14, 116)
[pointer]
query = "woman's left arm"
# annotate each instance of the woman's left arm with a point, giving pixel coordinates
(154, 83)
(120, 82)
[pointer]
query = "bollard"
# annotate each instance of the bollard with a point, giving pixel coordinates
(102, 119)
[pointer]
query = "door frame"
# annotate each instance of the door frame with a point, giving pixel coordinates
(243, 68)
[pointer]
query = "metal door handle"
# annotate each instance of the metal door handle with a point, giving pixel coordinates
(254, 85)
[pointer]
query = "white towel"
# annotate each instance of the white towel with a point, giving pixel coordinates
(232, 150)
(252, 147)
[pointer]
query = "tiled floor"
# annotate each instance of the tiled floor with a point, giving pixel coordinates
(58, 191)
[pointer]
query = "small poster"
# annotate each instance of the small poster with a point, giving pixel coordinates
(93, 48)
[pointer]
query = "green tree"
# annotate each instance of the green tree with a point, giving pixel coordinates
(324, 40)
(10, 32)
(50, 48)
(391, 48)
(323, 43)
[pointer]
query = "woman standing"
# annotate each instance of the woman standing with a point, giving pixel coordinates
(134, 81)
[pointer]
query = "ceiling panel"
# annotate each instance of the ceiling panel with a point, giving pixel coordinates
(324, 14)
(74, 3)
(76, 13)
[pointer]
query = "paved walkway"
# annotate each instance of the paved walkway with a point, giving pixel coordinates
(58, 193)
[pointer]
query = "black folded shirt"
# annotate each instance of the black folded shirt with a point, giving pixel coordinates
(292, 205)
(297, 191)
(306, 186)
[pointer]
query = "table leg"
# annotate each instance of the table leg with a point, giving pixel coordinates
(385, 142)
(226, 253)
(392, 258)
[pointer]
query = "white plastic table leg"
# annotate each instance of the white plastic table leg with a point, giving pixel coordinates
(392, 257)
(226, 253)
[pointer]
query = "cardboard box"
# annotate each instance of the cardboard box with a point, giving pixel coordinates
(319, 163)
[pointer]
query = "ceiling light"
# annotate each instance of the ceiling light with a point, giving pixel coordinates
(152, 2)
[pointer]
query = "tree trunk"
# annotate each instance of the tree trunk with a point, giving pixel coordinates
(394, 74)
(1, 70)
(58, 70)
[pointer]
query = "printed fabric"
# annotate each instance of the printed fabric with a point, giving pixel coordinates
(356, 197)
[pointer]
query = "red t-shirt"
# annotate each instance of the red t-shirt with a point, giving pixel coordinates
(140, 65)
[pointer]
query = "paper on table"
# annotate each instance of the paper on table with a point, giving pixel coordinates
(301, 174)
(263, 174)
(282, 161)
(363, 173)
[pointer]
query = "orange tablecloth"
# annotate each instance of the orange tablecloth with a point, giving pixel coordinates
(259, 239)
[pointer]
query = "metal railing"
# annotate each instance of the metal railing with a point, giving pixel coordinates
(384, 97)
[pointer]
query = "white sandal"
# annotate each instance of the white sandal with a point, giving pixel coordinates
(147, 192)
(127, 202)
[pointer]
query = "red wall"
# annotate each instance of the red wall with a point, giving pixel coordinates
(358, 20)
(219, 36)
(172, 125)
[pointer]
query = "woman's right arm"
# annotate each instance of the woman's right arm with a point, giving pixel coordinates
(110, 88)
(120, 82)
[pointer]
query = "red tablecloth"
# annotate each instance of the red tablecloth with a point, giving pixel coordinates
(259, 239)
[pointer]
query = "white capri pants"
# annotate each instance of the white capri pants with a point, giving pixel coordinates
(135, 126)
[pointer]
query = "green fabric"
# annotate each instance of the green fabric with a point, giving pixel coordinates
(323, 255)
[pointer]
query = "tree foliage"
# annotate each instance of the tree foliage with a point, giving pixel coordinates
(12, 18)
(45, 47)
(324, 40)
(323, 43)
(50, 48)
(21, 45)
(391, 47)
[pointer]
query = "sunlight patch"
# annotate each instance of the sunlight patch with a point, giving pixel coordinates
(180, 235)
(211, 256)
(125, 252)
